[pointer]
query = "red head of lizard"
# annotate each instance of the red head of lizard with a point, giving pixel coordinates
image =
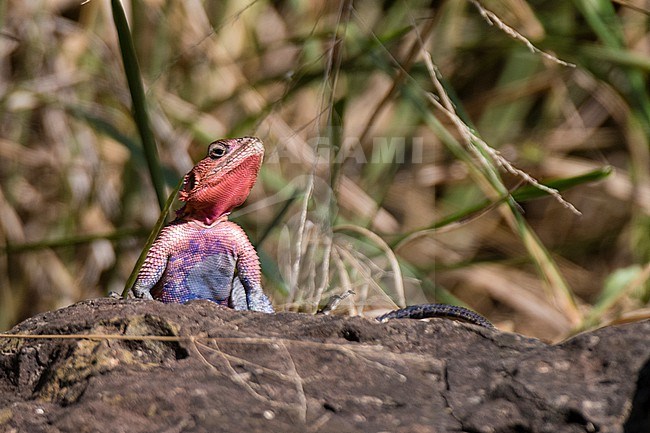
(222, 180)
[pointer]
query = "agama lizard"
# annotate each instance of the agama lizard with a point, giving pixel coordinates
(202, 255)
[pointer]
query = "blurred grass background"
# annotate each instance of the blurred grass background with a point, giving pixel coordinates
(379, 176)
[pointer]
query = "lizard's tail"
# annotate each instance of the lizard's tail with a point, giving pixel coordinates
(426, 311)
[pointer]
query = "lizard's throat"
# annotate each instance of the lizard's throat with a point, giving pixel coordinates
(208, 198)
(212, 203)
(204, 215)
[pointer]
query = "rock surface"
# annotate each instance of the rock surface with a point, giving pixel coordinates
(203, 368)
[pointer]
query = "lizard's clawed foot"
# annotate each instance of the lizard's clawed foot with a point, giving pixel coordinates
(142, 294)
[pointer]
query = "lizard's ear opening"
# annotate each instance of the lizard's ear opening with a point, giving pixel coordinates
(188, 185)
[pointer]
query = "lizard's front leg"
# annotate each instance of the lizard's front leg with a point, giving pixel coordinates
(249, 276)
(152, 269)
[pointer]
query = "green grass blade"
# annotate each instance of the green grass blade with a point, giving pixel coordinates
(521, 194)
(616, 56)
(150, 240)
(488, 177)
(603, 20)
(134, 79)
(618, 285)
(530, 192)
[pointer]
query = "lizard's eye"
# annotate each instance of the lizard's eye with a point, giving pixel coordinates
(217, 150)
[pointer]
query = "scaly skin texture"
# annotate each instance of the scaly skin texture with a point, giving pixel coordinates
(202, 255)
(425, 311)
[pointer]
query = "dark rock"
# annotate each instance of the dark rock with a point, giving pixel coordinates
(203, 368)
